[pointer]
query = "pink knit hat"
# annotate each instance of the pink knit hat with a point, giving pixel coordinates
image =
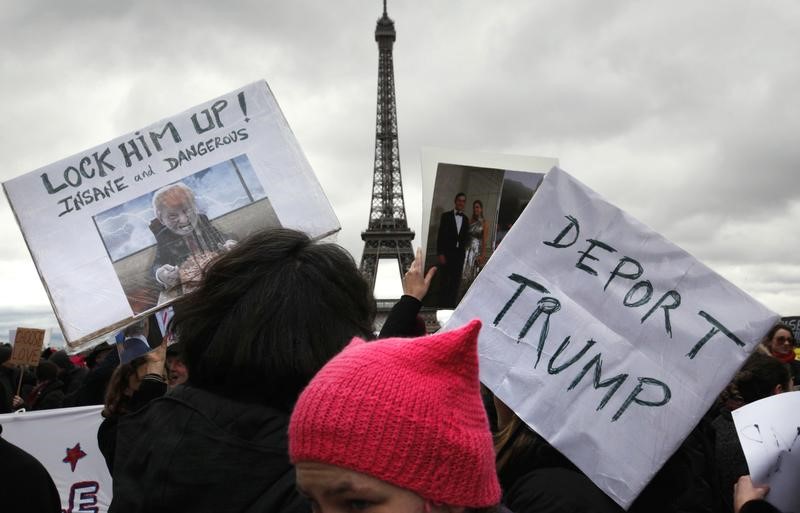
(405, 411)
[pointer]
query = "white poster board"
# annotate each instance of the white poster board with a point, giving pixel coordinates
(225, 169)
(604, 337)
(769, 432)
(65, 442)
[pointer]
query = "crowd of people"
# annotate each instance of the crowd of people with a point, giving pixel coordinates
(279, 397)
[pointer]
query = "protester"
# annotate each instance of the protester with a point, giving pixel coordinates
(93, 389)
(71, 375)
(133, 385)
(536, 478)
(266, 317)
(779, 343)
(7, 381)
(397, 425)
(26, 484)
(761, 376)
(49, 390)
(177, 373)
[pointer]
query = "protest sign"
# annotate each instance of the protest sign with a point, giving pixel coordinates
(495, 190)
(125, 227)
(794, 323)
(769, 432)
(604, 337)
(65, 442)
(28, 344)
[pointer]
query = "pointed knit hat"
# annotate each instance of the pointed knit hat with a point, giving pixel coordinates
(405, 411)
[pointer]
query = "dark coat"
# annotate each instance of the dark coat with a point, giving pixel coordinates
(558, 490)
(731, 462)
(448, 241)
(149, 389)
(7, 389)
(51, 396)
(193, 450)
(402, 320)
(25, 482)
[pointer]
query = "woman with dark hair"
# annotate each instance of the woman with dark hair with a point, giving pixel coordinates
(475, 257)
(265, 318)
(779, 343)
(761, 376)
(131, 387)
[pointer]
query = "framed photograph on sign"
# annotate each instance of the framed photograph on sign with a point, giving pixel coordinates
(471, 201)
(159, 242)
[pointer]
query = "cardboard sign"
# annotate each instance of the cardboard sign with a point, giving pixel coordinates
(122, 229)
(604, 337)
(28, 345)
(65, 442)
(769, 431)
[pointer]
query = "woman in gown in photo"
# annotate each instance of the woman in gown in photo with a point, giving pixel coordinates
(475, 256)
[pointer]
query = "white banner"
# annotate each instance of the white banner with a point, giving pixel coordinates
(603, 336)
(769, 431)
(65, 442)
(123, 227)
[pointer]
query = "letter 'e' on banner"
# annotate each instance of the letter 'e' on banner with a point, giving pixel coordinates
(123, 229)
(603, 336)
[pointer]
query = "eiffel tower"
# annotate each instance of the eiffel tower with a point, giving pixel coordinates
(387, 234)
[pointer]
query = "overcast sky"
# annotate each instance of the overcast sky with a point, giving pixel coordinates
(683, 113)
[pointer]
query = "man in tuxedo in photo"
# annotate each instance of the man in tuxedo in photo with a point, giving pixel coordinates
(451, 243)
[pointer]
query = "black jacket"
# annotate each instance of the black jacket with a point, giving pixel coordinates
(193, 450)
(25, 483)
(448, 240)
(558, 490)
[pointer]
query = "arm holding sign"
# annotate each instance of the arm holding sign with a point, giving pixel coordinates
(403, 320)
(747, 497)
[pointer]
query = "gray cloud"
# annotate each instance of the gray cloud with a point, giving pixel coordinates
(683, 114)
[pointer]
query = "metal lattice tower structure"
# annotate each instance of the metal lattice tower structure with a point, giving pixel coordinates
(387, 234)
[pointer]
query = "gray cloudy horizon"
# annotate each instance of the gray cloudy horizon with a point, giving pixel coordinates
(682, 113)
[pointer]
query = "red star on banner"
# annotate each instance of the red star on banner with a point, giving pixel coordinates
(73, 455)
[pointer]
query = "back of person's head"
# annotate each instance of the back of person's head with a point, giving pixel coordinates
(46, 371)
(61, 359)
(5, 353)
(761, 376)
(269, 314)
(407, 412)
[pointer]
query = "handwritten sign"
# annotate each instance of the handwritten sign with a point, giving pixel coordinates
(121, 230)
(604, 337)
(28, 344)
(769, 431)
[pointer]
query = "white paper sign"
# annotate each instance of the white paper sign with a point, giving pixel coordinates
(769, 431)
(604, 337)
(65, 442)
(113, 228)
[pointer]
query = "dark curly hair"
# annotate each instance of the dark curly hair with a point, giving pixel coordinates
(269, 314)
